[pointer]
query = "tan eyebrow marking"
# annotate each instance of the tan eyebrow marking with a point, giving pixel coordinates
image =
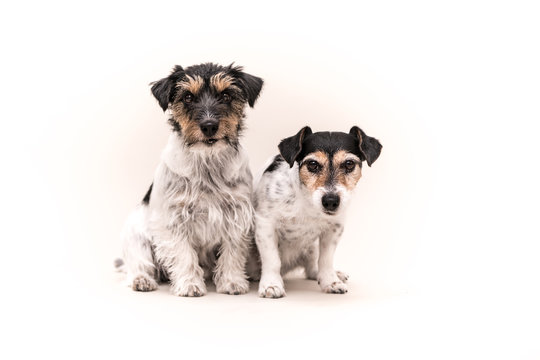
(191, 84)
(221, 81)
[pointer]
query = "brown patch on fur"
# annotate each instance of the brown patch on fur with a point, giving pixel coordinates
(190, 129)
(221, 81)
(347, 180)
(191, 84)
(314, 181)
(237, 107)
(228, 127)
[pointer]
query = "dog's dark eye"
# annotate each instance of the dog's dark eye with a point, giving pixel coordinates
(313, 166)
(188, 98)
(349, 166)
(226, 98)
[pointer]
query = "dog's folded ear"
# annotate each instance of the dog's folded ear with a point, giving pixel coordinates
(291, 147)
(250, 85)
(164, 90)
(370, 148)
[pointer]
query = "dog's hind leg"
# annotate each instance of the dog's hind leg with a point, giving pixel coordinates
(137, 252)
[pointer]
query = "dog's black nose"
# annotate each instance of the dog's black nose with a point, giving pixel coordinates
(209, 127)
(330, 201)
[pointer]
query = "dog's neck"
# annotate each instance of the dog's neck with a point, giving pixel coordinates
(217, 160)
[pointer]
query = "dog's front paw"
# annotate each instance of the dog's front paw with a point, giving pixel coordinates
(272, 289)
(337, 287)
(342, 276)
(144, 283)
(193, 288)
(272, 292)
(232, 287)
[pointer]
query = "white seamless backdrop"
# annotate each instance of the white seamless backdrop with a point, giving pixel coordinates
(442, 237)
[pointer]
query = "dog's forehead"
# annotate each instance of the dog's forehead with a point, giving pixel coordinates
(206, 71)
(208, 78)
(329, 143)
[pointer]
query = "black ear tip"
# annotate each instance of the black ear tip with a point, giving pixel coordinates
(306, 131)
(161, 90)
(250, 84)
(256, 88)
(251, 102)
(376, 148)
(355, 130)
(370, 148)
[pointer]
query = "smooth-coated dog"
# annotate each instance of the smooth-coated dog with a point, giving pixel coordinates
(196, 220)
(300, 203)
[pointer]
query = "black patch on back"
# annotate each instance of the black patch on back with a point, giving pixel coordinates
(275, 164)
(330, 143)
(146, 199)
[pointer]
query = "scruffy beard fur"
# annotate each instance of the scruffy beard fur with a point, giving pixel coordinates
(196, 220)
(300, 202)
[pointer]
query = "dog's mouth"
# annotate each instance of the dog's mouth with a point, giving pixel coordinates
(211, 141)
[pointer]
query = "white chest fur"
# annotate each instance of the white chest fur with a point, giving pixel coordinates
(204, 195)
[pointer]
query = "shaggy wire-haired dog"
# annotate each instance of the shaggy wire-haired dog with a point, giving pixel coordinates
(196, 219)
(300, 202)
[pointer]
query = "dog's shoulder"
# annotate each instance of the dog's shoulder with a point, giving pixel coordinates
(276, 171)
(276, 186)
(275, 163)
